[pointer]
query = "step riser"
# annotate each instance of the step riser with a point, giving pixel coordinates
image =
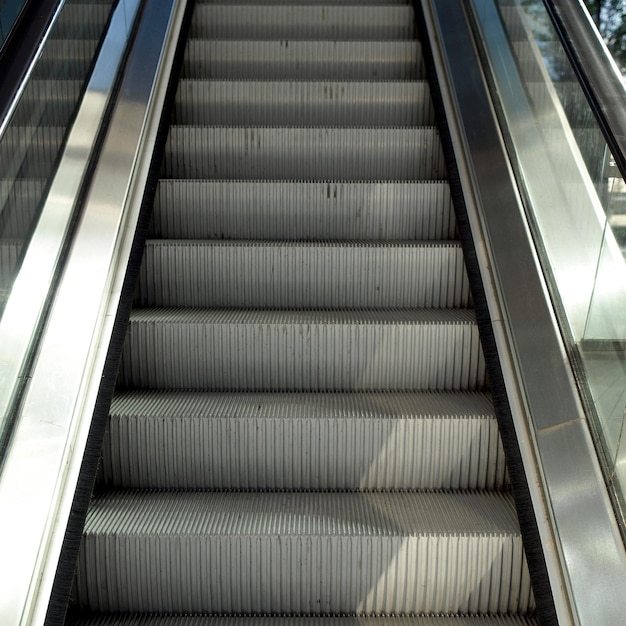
(303, 154)
(303, 575)
(302, 210)
(52, 102)
(317, 103)
(303, 553)
(303, 60)
(301, 356)
(177, 274)
(295, 453)
(29, 151)
(21, 200)
(66, 59)
(84, 21)
(286, 23)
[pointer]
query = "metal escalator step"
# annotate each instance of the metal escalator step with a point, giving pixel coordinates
(19, 202)
(303, 60)
(331, 22)
(50, 102)
(304, 2)
(303, 441)
(30, 151)
(82, 20)
(303, 103)
(302, 275)
(304, 153)
(66, 59)
(261, 350)
(302, 210)
(310, 553)
(10, 251)
(201, 620)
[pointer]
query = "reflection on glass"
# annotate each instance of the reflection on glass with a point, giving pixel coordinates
(577, 200)
(31, 143)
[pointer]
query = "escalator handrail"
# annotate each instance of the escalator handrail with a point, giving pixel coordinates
(596, 70)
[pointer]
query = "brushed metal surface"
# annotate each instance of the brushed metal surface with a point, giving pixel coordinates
(303, 553)
(206, 209)
(308, 60)
(304, 153)
(285, 274)
(303, 103)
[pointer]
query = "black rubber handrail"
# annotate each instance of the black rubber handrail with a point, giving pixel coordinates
(598, 74)
(20, 46)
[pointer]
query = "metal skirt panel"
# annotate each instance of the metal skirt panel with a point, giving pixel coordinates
(303, 103)
(304, 60)
(302, 350)
(303, 553)
(303, 210)
(304, 153)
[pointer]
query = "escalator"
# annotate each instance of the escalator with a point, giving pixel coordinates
(294, 356)
(302, 425)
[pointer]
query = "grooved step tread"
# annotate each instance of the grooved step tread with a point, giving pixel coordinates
(303, 60)
(286, 552)
(303, 441)
(285, 153)
(208, 209)
(303, 103)
(331, 22)
(198, 620)
(303, 350)
(302, 275)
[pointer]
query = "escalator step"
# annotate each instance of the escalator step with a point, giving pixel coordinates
(84, 20)
(206, 209)
(19, 200)
(303, 60)
(298, 103)
(48, 102)
(282, 274)
(303, 350)
(332, 22)
(303, 553)
(304, 153)
(66, 59)
(30, 151)
(192, 620)
(303, 441)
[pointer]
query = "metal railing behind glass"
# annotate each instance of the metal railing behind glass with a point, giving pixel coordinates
(576, 203)
(45, 145)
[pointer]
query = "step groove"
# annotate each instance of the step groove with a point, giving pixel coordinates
(331, 22)
(303, 350)
(303, 60)
(313, 544)
(256, 153)
(207, 209)
(300, 103)
(303, 441)
(292, 275)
